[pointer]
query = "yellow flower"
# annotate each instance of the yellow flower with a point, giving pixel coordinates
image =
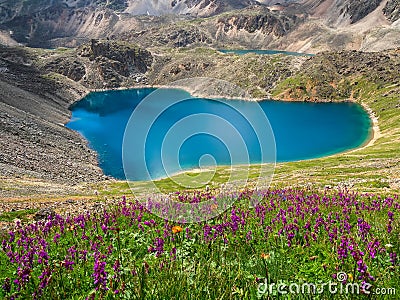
(350, 276)
(265, 256)
(176, 229)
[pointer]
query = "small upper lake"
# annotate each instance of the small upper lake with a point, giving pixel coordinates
(263, 52)
(302, 130)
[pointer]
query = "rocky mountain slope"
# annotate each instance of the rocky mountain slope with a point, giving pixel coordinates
(36, 22)
(305, 25)
(392, 10)
(36, 89)
(34, 142)
(252, 27)
(190, 7)
(342, 11)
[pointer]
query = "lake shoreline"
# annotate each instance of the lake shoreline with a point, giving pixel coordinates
(370, 140)
(194, 93)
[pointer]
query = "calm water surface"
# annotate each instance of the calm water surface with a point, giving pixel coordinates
(302, 130)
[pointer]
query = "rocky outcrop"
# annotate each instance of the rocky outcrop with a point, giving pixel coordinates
(339, 12)
(358, 9)
(171, 36)
(114, 63)
(44, 214)
(102, 64)
(334, 75)
(69, 67)
(392, 10)
(379, 68)
(267, 23)
(130, 57)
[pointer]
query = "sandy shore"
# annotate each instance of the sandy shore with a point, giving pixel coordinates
(376, 132)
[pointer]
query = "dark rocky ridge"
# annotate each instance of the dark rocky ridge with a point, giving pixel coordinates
(358, 9)
(131, 58)
(116, 62)
(392, 10)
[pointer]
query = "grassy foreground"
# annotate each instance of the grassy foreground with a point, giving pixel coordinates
(343, 245)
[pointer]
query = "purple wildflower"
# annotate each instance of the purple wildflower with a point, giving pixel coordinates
(249, 236)
(361, 268)
(117, 267)
(206, 231)
(72, 251)
(342, 249)
(393, 257)
(56, 238)
(12, 237)
(99, 273)
(159, 246)
(44, 279)
(43, 257)
(67, 264)
(7, 285)
(173, 253)
(373, 248)
(363, 228)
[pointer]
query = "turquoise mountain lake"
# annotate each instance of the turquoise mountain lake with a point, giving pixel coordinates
(302, 130)
(264, 52)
